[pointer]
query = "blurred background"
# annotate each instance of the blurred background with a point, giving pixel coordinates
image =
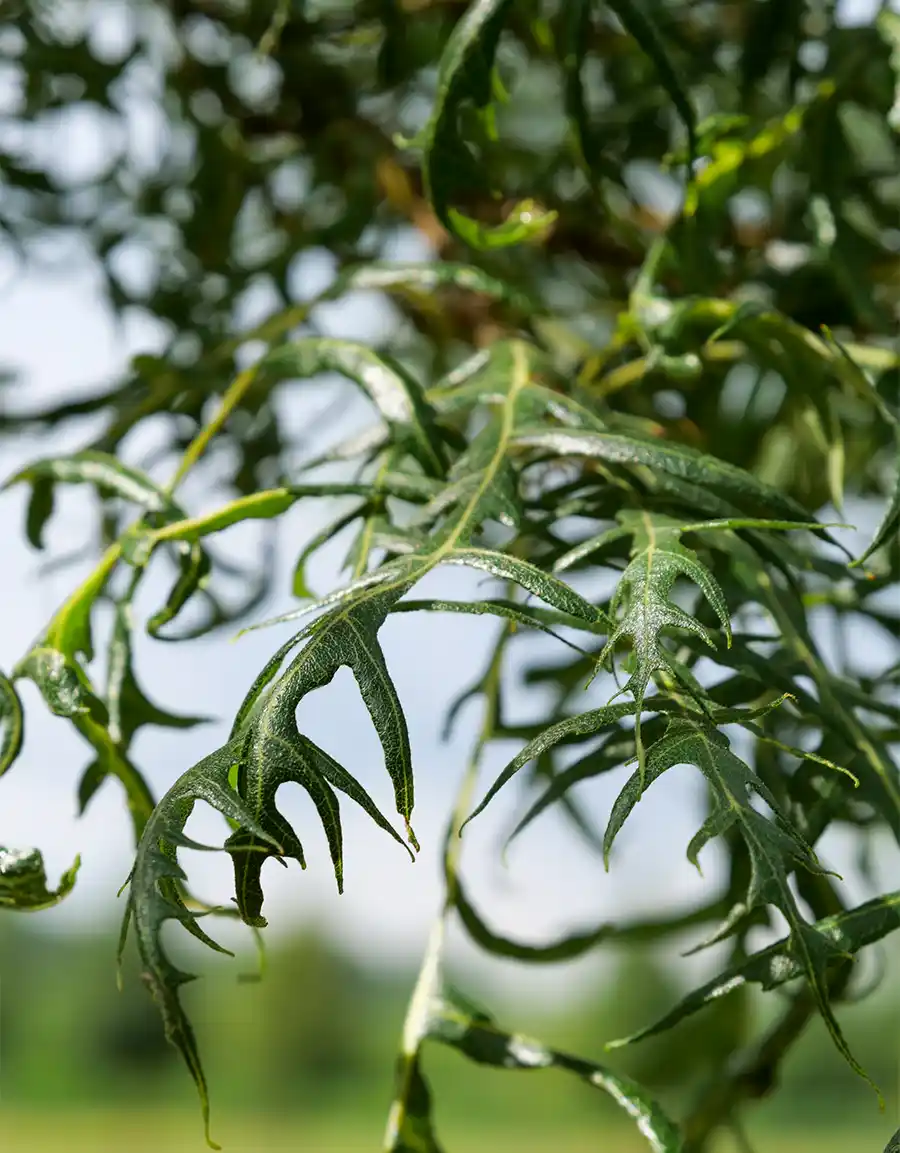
(163, 186)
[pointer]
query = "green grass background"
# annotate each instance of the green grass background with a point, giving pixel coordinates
(303, 1060)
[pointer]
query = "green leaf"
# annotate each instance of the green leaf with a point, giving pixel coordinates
(529, 616)
(890, 521)
(567, 948)
(293, 759)
(617, 749)
(485, 378)
(888, 24)
(657, 560)
(139, 542)
(69, 632)
(847, 932)
(749, 495)
(639, 24)
(128, 706)
(465, 78)
(68, 692)
(23, 881)
(425, 279)
(572, 43)
(40, 509)
(194, 569)
(154, 895)
(587, 724)
(410, 1128)
(299, 584)
(62, 683)
(577, 943)
(773, 846)
(395, 394)
(265, 751)
(529, 577)
(106, 473)
(873, 764)
(11, 724)
(475, 1034)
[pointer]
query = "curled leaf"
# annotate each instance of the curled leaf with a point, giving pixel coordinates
(23, 881)
(11, 724)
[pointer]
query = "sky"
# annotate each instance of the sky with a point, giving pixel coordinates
(55, 330)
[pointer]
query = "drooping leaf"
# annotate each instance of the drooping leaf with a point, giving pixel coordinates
(475, 1034)
(265, 751)
(23, 881)
(128, 706)
(465, 78)
(154, 897)
(106, 473)
(529, 616)
(529, 577)
(572, 43)
(878, 775)
(639, 24)
(577, 943)
(848, 932)
(569, 947)
(194, 569)
(774, 847)
(617, 749)
(128, 709)
(300, 584)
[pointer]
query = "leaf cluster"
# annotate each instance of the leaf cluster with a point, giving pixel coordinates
(638, 428)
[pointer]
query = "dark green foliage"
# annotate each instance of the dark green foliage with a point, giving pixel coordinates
(577, 382)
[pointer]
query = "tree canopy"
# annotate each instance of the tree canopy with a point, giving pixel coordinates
(641, 260)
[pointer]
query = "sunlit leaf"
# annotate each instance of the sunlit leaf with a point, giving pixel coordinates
(396, 395)
(657, 559)
(747, 493)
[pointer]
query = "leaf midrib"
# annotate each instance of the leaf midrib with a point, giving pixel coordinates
(519, 380)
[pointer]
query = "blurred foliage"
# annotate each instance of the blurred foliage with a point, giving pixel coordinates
(319, 1031)
(641, 262)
